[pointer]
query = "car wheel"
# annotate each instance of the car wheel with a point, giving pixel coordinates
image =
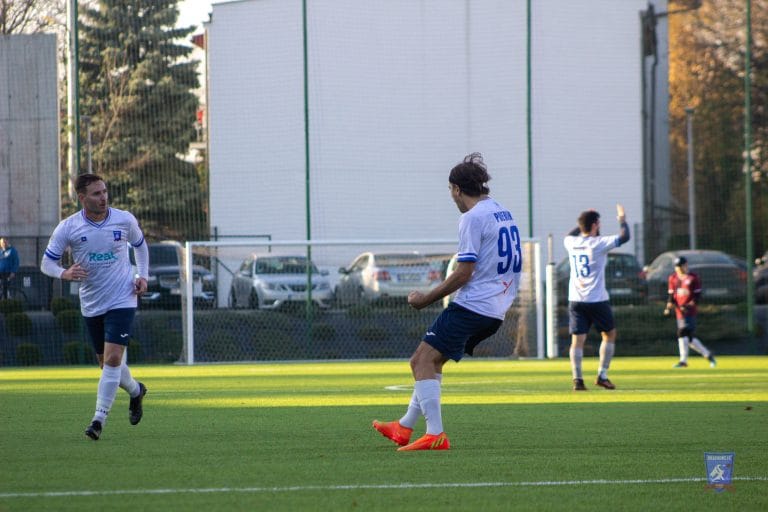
(253, 300)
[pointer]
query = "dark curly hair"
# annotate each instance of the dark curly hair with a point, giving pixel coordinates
(471, 176)
(587, 219)
(82, 182)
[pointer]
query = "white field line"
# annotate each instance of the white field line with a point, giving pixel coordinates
(355, 487)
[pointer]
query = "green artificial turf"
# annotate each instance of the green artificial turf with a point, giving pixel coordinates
(299, 437)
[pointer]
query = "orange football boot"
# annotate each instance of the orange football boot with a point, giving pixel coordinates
(393, 430)
(428, 442)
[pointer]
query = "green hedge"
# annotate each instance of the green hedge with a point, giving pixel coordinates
(373, 332)
(77, 352)
(8, 306)
(644, 331)
(59, 304)
(69, 321)
(18, 324)
(28, 354)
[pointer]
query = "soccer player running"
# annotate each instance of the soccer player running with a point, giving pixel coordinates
(487, 277)
(588, 300)
(98, 238)
(684, 291)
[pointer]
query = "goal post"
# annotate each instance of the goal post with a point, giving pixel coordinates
(334, 299)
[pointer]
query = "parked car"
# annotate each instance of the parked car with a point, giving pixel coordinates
(760, 274)
(163, 284)
(450, 268)
(624, 279)
(375, 276)
(440, 262)
(723, 279)
(272, 281)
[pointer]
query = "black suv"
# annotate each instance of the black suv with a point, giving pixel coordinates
(164, 278)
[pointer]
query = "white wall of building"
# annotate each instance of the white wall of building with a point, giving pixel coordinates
(29, 141)
(399, 92)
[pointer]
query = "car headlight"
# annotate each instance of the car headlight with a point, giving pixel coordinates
(152, 279)
(208, 277)
(269, 286)
(323, 286)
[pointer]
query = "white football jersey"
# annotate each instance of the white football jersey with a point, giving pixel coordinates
(102, 250)
(588, 256)
(489, 236)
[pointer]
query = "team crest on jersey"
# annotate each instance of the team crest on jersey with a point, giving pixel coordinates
(719, 470)
(117, 235)
(83, 238)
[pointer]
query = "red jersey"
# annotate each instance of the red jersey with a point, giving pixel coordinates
(683, 290)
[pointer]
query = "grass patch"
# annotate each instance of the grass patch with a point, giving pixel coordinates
(298, 437)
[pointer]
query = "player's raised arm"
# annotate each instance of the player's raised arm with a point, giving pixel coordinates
(624, 227)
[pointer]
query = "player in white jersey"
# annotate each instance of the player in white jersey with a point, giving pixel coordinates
(98, 238)
(487, 277)
(588, 300)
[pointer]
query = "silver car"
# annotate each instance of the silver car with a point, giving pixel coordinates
(374, 276)
(269, 282)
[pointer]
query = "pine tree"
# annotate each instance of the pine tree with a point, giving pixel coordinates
(136, 84)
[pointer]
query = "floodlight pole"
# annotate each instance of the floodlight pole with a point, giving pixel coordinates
(73, 101)
(748, 167)
(691, 188)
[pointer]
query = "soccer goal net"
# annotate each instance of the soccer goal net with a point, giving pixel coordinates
(310, 300)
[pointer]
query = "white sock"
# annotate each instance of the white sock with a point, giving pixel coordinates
(699, 347)
(428, 393)
(606, 354)
(577, 354)
(108, 383)
(127, 382)
(413, 413)
(682, 344)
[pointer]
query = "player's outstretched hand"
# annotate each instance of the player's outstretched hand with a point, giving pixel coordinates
(620, 213)
(139, 285)
(75, 273)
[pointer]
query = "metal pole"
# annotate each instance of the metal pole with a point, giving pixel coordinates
(73, 102)
(87, 121)
(307, 193)
(529, 122)
(188, 325)
(691, 188)
(551, 300)
(748, 168)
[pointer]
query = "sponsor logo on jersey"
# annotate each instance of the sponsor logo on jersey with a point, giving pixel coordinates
(102, 256)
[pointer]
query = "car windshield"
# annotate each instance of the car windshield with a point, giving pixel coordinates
(283, 265)
(163, 255)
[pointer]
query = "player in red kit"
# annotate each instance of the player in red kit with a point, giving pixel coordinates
(684, 292)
